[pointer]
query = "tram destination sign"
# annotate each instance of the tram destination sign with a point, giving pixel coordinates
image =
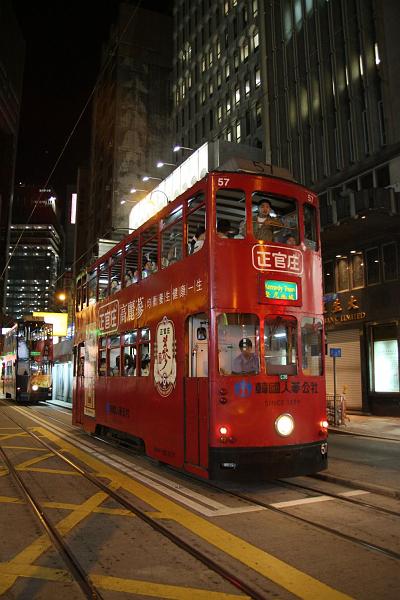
(280, 290)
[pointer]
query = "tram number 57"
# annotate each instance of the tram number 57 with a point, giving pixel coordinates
(223, 181)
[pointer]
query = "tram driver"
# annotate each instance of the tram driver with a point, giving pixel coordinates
(247, 361)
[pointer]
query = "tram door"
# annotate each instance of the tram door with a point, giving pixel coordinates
(196, 392)
(80, 383)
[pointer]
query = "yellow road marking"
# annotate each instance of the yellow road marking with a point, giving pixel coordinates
(33, 461)
(51, 471)
(116, 584)
(292, 579)
(11, 500)
(38, 572)
(10, 436)
(42, 543)
(24, 448)
(157, 590)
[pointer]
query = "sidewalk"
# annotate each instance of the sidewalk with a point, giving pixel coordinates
(371, 426)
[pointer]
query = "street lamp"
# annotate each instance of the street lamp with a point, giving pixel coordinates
(147, 177)
(177, 148)
(162, 164)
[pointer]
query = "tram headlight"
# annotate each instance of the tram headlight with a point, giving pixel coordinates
(284, 424)
(35, 388)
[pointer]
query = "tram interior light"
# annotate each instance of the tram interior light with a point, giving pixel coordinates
(223, 430)
(35, 388)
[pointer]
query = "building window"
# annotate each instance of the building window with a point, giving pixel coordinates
(238, 132)
(219, 79)
(210, 57)
(385, 358)
(258, 114)
(244, 50)
(228, 106)
(218, 48)
(236, 60)
(342, 274)
(256, 40)
(257, 76)
(227, 71)
(389, 258)
(211, 88)
(247, 86)
(357, 270)
(329, 279)
(237, 94)
(255, 7)
(373, 270)
(219, 114)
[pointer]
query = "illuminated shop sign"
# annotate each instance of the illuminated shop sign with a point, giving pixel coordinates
(280, 290)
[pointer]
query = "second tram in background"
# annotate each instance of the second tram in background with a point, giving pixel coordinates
(27, 361)
(200, 335)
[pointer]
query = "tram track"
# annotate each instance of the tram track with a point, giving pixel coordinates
(76, 570)
(325, 528)
(308, 490)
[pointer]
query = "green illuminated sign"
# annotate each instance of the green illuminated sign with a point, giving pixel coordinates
(280, 290)
(35, 353)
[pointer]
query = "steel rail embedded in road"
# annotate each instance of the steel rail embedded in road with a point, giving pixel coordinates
(234, 580)
(72, 563)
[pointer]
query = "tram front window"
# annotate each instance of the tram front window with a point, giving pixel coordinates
(238, 344)
(280, 345)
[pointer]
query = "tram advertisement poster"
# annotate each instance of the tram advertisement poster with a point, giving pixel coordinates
(90, 370)
(165, 357)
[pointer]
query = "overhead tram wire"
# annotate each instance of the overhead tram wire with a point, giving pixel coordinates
(119, 40)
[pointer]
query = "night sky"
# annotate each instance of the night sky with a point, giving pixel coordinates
(63, 51)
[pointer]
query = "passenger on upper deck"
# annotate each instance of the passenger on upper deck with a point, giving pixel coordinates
(223, 228)
(115, 286)
(149, 267)
(197, 240)
(247, 361)
(264, 222)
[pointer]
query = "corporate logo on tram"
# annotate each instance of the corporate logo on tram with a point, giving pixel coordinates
(165, 357)
(277, 258)
(243, 389)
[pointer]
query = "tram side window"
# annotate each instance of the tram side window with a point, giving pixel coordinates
(116, 272)
(274, 219)
(78, 297)
(102, 364)
(311, 345)
(238, 344)
(172, 239)
(149, 251)
(132, 274)
(92, 286)
(196, 224)
(84, 296)
(144, 352)
(103, 280)
(198, 334)
(114, 358)
(230, 213)
(310, 227)
(280, 345)
(130, 354)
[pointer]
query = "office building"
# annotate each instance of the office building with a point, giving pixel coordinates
(315, 84)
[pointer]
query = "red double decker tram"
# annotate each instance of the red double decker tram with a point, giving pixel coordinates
(200, 335)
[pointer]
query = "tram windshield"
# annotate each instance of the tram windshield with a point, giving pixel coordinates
(280, 345)
(238, 344)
